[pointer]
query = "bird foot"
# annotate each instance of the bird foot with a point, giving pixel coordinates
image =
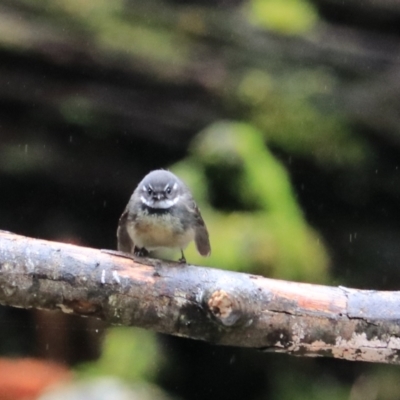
(140, 252)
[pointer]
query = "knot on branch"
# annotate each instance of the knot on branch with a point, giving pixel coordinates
(227, 308)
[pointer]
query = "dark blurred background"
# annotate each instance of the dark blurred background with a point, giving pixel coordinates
(282, 116)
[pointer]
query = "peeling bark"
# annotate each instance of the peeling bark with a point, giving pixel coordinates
(221, 307)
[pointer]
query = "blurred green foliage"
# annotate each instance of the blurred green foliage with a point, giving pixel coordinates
(266, 233)
(283, 16)
(113, 27)
(294, 110)
(131, 354)
(293, 106)
(22, 158)
(79, 110)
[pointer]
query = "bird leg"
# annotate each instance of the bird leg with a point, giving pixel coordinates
(182, 260)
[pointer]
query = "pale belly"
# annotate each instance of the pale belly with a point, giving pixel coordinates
(157, 232)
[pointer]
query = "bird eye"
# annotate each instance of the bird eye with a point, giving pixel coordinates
(150, 191)
(168, 190)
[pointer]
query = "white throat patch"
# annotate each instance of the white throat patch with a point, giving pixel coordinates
(163, 204)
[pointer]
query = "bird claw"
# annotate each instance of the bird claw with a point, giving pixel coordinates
(140, 252)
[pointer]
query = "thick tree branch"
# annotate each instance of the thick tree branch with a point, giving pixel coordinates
(221, 307)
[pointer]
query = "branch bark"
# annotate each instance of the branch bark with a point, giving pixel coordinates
(222, 307)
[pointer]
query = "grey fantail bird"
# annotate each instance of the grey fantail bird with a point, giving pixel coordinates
(161, 214)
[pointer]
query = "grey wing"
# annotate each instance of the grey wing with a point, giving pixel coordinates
(201, 238)
(124, 241)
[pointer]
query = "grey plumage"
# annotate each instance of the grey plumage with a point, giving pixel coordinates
(161, 213)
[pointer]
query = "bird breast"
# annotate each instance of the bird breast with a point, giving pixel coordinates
(163, 230)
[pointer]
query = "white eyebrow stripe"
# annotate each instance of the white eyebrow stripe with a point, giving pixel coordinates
(166, 186)
(144, 188)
